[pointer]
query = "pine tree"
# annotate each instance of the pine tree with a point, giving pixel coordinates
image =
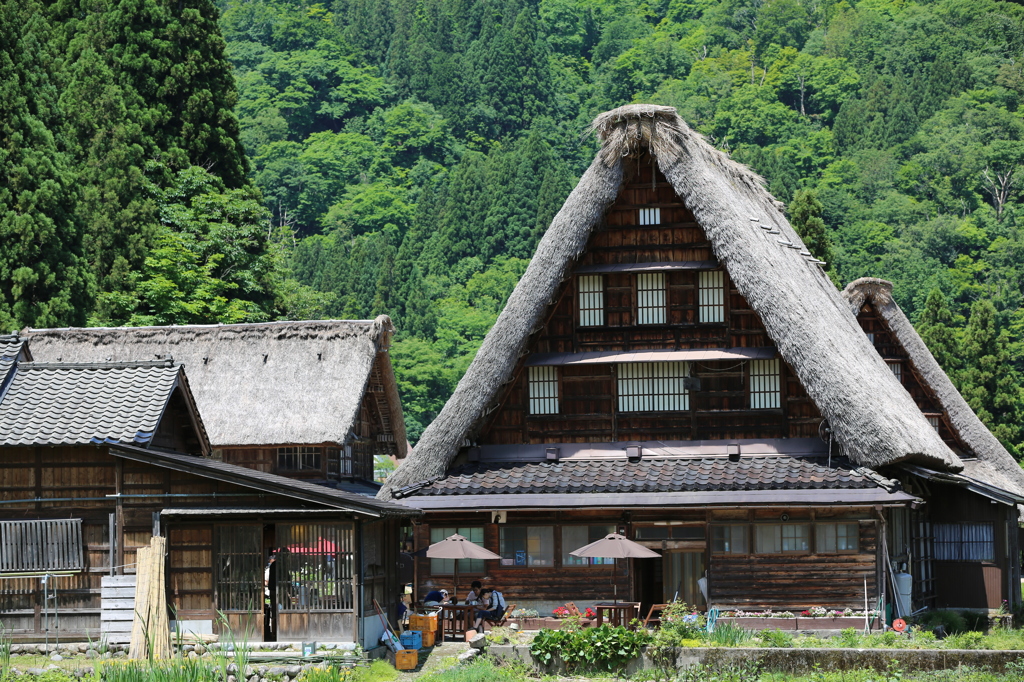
(805, 216)
(937, 333)
(42, 278)
(988, 382)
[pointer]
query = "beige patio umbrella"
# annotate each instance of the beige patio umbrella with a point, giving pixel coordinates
(615, 546)
(457, 547)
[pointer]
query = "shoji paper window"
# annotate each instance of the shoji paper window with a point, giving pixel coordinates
(653, 386)
(711, 292)
(650, 298)
(591, 290)
(765, 385)
(897, 369)
(543, 390)
(650, 216)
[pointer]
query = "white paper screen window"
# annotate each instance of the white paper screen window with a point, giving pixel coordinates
(650, 298)
(653, 386)
(934, 421)
(650, 216)
(543, 390)
(711, 292)
(871, 337)
(591, 289)
(897, 369)
(765, 391)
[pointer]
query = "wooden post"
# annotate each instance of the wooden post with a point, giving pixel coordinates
(119, 515)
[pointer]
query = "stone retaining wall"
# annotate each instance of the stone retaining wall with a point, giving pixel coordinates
(802, 661)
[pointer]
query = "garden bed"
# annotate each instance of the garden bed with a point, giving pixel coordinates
(801, 623)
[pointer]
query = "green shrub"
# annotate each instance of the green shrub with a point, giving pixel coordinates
(849, 638)
(591, 649)
(951, 621)
(780, 639)
(967, 640)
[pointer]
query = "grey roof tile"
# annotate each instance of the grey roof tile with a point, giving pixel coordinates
(74, 404)
(653, 475)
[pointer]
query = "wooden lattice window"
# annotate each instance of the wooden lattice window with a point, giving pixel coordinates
(782, 538)
(41, 546)
(896, 367)
(653, 386)
(729, 539)
(934, 421)
(591, 291)
(650, 298)
(650, 216)
(964, 542)
(711, 296)
(300, 458)
(871, 337)
(474, 534)
(314, 566)
(836, 538)
(765, 385)
(574, 537)
(543, 390)
(240, 568)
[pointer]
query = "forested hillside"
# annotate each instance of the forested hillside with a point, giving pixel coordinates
(355, 157)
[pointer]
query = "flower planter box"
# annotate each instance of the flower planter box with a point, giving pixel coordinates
(800, 623)
(547, 623)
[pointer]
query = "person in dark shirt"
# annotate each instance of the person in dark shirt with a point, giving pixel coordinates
(435, 597)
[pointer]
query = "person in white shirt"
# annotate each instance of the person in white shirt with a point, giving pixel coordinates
(494, 603)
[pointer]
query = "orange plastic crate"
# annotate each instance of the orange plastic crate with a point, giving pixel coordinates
(406, 659)
(428, 638)
(423, 623)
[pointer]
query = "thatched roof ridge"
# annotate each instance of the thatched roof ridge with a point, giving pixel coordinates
(994, 465)
(255, 384)
(871, 416)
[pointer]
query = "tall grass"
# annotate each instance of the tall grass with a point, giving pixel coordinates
(5, 654)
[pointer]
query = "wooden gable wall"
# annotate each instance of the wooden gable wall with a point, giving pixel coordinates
(892, 351)
(588, 410)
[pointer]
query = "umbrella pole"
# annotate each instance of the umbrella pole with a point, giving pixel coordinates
(455, 593)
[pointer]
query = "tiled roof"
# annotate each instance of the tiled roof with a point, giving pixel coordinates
(652, 476)
(261, 480)
(10, 345)
(67, 404)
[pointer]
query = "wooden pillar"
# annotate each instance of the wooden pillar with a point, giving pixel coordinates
(119, 515)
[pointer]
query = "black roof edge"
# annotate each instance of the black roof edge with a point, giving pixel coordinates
(967, 483)
(231, 473)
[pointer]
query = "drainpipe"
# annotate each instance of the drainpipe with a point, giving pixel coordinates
(884, 556)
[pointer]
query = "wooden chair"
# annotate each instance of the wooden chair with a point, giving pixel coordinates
(500, 620)
(650, 615)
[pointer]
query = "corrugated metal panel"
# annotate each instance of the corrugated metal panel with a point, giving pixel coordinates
(685, 354)
(44, 546)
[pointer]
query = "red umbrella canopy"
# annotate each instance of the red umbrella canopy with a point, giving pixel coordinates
(458, 547)
(615, 546)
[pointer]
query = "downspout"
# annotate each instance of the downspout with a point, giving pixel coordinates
(883, 555)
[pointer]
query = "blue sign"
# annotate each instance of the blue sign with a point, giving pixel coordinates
(520, 557)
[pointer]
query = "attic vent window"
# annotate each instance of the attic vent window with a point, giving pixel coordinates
(650, 296)
(896, 367)
(871, 337)
(591, 288)
(650, 216)
(765, 385)
(653, 386)
(543, 390)
(298, 459)
(934, 421)
(711, 296)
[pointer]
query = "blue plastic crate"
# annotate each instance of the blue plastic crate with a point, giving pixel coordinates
(412, 639)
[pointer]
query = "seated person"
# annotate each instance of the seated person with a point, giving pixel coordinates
(494, 603)
(436, 598)
(474, 593)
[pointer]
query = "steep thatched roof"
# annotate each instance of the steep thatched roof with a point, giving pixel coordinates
(994, 465)
(255, 384)
(871, 416)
